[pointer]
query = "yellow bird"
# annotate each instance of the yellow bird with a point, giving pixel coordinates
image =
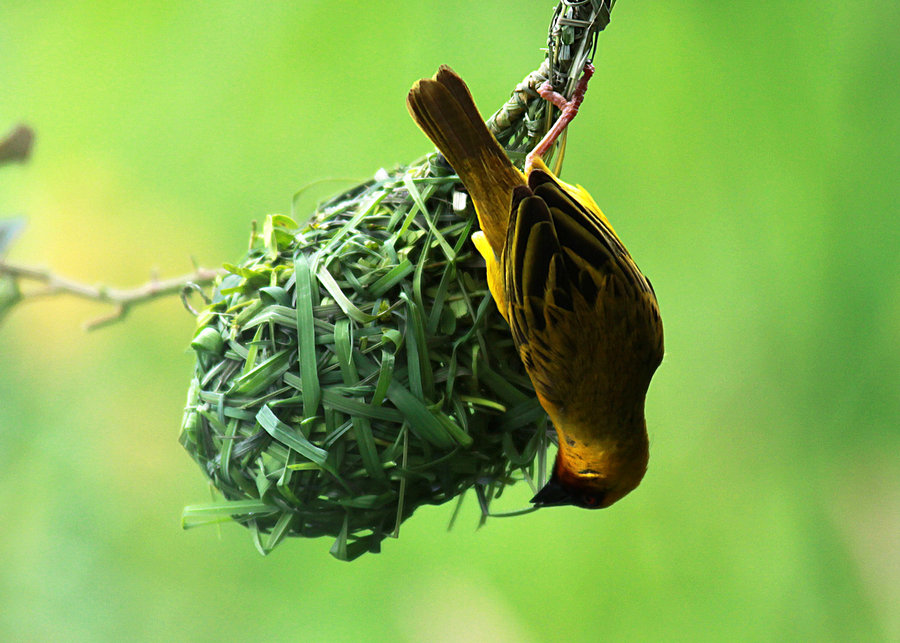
(585, 321)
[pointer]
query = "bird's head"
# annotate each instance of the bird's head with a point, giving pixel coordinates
(594, 474)
(584, 492)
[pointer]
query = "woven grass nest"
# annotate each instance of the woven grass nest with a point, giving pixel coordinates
(356, 368)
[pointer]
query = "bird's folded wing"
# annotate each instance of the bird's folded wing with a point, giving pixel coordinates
(561, 259)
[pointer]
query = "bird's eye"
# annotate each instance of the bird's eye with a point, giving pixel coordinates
(591, 500)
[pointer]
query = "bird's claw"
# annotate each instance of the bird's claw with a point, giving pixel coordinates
(568, 110)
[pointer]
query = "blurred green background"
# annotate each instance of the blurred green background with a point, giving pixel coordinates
(746, 152)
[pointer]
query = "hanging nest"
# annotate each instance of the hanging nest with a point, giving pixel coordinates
(355, 369)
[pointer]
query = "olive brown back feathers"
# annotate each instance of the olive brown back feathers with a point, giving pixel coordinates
(573, 289)
(443, 108)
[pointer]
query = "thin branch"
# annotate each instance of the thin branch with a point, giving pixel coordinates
(122, 300)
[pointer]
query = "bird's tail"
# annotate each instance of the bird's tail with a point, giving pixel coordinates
(443, 108)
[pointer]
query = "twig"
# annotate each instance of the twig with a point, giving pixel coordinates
(121, 299)
(571, 44)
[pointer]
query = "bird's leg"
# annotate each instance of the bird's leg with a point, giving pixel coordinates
(569, 109)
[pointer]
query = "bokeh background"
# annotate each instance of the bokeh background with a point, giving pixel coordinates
(746, 152)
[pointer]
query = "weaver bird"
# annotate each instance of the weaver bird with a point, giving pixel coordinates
(584, 320)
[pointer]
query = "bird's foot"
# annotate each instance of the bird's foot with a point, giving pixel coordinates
(568, 109)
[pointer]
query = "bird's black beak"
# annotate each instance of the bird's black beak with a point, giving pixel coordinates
(553, 494)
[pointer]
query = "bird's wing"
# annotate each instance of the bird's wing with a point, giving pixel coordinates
(592, 248)
(567, 276)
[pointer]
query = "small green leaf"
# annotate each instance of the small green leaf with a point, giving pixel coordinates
(391, 278)
(290, 437)
(349, 308)
(385, 375)
(274, 295)
(206, 340)
(306, 334)
(260, 377)
(206, 514)
(435, 428)
(278, 233)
